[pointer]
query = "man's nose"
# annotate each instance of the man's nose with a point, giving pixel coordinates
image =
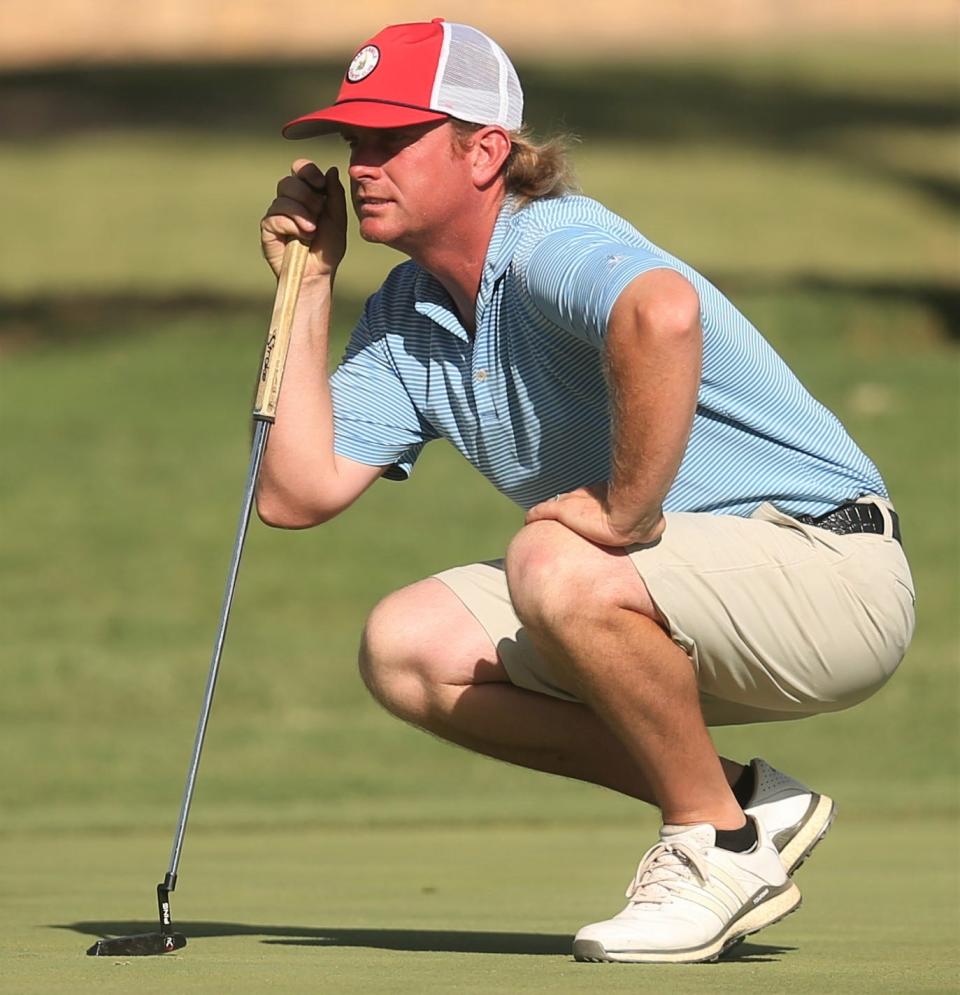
(365, 156)
(362, 169)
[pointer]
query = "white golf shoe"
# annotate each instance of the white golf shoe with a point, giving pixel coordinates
(795, 818)
(690, 900)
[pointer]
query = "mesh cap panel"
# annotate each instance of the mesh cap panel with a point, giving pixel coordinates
(476, 81)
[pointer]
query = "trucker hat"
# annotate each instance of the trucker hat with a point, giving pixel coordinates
(416, 73)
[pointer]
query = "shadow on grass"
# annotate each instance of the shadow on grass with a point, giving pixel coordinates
(443, 940)
(413, 940)
(654, 103)
(78, 318)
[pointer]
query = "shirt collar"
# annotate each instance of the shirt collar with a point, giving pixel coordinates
(433, 301)
(502, 242)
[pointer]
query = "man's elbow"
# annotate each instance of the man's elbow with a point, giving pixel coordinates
(281, 514)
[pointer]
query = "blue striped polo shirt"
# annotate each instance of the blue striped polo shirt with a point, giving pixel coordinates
(525, 399)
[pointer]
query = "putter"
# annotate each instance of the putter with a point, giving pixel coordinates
(166, 940)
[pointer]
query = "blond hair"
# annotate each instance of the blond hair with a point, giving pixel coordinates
(533, 170)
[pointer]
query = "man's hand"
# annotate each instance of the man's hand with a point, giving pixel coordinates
(586, 511)
(310, 205)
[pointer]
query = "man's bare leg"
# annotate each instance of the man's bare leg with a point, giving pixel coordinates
(427, 660)
(586, 609)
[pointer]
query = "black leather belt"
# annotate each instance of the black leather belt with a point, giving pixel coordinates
(854, 518)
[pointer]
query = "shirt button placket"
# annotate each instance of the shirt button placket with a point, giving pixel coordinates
(484, 403)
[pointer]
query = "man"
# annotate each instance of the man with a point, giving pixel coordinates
(703, 544)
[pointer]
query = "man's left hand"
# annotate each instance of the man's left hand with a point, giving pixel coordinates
(587, 512)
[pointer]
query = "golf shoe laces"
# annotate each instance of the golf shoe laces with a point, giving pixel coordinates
(664, 868)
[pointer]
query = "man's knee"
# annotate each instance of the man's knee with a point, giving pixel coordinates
(538, 568)
(391, 658)
(557, 577)
(419, 640)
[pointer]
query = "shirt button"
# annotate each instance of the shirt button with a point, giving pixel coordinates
(481, 375)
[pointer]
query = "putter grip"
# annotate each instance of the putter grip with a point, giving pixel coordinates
(278, 337)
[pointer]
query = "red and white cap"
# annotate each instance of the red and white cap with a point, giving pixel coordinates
(417, 73)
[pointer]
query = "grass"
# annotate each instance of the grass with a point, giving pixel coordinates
(181, 213)
(837, 160)
(322, 826)
(133, 310)
(436, 909)
(144, 539)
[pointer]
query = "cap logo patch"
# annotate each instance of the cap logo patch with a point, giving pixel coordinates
(364, 63)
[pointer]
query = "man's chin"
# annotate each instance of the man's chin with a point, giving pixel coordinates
(372, 232)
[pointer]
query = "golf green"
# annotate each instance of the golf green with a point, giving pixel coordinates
(456, 909)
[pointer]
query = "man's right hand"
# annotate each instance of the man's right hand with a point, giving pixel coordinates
(310, 205)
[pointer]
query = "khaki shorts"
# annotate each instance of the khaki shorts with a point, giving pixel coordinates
(780, 620)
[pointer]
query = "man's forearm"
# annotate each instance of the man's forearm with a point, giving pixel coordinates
(653, 350)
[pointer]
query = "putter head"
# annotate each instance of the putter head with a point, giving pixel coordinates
(141, 945)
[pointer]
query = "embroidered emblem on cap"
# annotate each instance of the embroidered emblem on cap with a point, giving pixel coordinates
(364, 63)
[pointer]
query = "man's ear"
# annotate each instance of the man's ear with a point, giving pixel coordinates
(489, 150)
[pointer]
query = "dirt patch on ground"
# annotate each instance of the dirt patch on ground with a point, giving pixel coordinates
(63, 31)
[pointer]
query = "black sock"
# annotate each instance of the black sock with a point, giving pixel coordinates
(743, 789)
(739, 840)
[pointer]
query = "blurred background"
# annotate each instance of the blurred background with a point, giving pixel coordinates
(802, 155)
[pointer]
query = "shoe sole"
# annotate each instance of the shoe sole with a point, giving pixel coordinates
(815, 825)
(765, 914)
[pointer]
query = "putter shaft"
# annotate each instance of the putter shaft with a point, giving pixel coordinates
(261, 431)
(264, 412)
(166, 940)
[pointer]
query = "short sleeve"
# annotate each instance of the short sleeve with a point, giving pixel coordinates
(375, 421)
(575, 275)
